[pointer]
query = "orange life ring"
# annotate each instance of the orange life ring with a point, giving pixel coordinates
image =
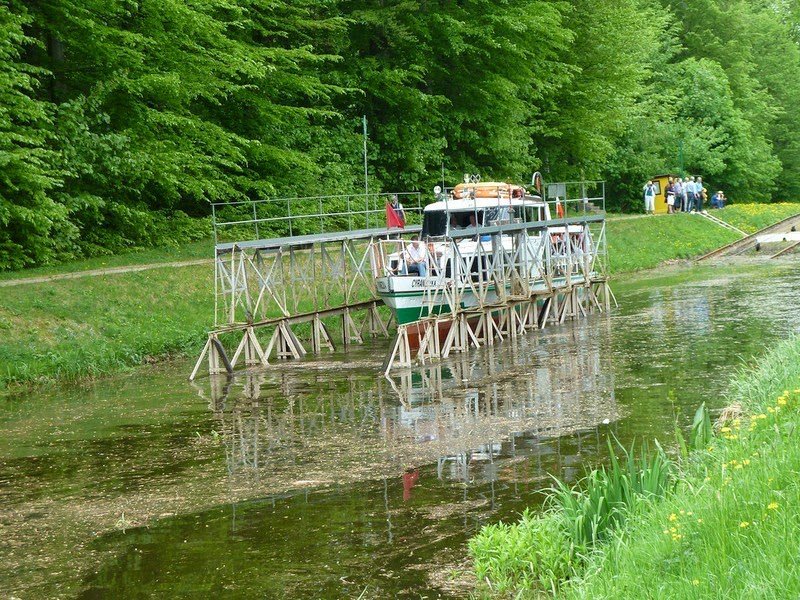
(489, 189)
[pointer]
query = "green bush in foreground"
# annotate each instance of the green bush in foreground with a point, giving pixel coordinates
(542, 551)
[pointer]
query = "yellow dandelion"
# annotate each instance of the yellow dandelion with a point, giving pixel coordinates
(762, 416)
(725, 429)
(690, 513)
(739, 467)
(673, 517)
(746, 461)
(770, 409)
(695, 582)
(772, 506)
(782, 401)
(744, 524)
(673, 530)
(699, 520)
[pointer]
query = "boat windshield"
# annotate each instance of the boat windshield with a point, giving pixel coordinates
(434, 224)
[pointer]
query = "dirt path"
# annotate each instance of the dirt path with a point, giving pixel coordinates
(108, 271)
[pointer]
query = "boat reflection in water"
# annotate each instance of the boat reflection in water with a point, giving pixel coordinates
(328, 424)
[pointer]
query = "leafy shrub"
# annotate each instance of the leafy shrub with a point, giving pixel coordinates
(533, 553)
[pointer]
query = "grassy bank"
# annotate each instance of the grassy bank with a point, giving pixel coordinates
(644, 243)
(752, 217)
(730, 527)
(722, 525)
(94, 325)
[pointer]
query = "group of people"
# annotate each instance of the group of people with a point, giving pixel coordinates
(682, 195)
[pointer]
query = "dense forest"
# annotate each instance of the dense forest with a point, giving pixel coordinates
(121, 119)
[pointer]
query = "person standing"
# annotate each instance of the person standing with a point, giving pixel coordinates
(395, 215)
(670, 196)
(699, 193)
(678, 189)
(649, 198)
(691, 185)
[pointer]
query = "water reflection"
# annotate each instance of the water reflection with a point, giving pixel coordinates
(463, 415)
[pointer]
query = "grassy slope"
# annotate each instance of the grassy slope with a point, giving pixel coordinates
(94, 325)
(190, 251)
(752, 217)
(644, 243)
(736, 514)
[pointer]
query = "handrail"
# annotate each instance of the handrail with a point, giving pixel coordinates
(291, 212)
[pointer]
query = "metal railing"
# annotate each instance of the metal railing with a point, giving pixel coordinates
(575, 198)
(289, 217)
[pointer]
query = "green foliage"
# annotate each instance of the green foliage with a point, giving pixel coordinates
(532, 553)
(542, 551)
(122, 119)
(644, 243)
(601, 501)
(33, 226)
(752, 217)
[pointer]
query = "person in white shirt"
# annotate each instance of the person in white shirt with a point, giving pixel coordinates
(649, 197)
(416, 257)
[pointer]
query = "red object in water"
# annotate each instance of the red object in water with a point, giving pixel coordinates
(393, 218)
(409, 481)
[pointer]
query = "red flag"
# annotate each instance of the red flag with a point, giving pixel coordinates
(393, 218)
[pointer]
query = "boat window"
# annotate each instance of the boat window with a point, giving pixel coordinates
(434, 224)
(464, 220)
(501, 214)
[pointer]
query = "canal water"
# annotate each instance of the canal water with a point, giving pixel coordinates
(322, 479)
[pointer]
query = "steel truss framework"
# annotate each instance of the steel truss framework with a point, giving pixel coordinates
(288, 301)
(541, 278)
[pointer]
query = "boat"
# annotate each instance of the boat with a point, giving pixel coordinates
(462, 232)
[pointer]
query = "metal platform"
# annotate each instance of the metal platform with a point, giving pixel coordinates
(304, 291)
(306, 241)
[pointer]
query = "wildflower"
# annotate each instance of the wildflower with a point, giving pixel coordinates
(695, 582)
(781, 401)
(710, 448)
(699, 520)
(666, 531)
(683, 512)
(673, 517)
(725, 429)
(770, 409)
(673, 530)
(707, 479)
(762, 416)
(744, 524)
(746, 461)
(690, 513)
(772, 506)
(739, 467)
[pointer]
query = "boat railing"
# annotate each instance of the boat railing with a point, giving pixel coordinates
(289, 217)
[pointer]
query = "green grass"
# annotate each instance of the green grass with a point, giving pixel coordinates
(96, 325)
(752, 217)
(542, 552)
(191, 251)
(645, 243)
(730, 528)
